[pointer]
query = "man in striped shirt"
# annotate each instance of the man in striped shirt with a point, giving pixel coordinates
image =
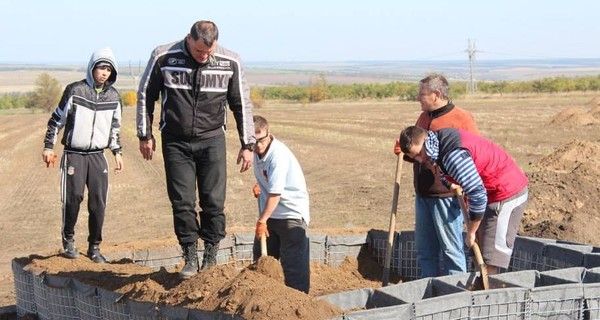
(496, 187)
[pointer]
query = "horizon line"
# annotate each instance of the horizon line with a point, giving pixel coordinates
(251, 62)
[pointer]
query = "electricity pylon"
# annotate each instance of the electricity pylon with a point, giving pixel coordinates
(471, 51)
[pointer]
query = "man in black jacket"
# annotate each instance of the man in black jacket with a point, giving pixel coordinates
(196, 78)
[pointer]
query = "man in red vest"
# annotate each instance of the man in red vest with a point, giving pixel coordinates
(495, 185)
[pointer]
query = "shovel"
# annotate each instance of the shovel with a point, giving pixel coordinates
(475, 247)
(391, 232)
(263, 239)
(263, 245)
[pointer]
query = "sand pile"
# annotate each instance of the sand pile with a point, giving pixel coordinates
(573, 117)
(595, 112)
(571, 156)
(255, 292)
(258, 292)
(563, 194)
(594, 102)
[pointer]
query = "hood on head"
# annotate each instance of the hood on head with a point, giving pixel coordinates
(100, 57)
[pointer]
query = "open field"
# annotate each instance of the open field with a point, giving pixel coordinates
(345, 149)
(21, 78)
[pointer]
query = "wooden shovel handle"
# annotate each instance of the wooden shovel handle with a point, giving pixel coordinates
(482, 266)
(263, 245)
(391, 232)
(263, 238)
(475, 247)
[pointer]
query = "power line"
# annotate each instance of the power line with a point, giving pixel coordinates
(135, 75)
(471, 52)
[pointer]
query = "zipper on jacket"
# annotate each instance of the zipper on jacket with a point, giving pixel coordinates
(94, 118)
(196, 88)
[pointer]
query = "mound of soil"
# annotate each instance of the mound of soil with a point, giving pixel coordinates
(563, 195)
(573, 117)
(255, 292)
(595, 112)
(571, 156)
(594, 102)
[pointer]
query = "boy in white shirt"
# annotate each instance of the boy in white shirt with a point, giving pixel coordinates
(283, 206)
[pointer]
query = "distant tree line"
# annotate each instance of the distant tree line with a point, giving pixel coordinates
(47, 93)
(408, 91)
(48, 90)
(46, 96)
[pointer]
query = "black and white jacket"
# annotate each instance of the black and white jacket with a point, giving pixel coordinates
(194, 95)
(91, 119)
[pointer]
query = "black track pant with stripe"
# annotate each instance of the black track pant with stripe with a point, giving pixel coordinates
(77, 172)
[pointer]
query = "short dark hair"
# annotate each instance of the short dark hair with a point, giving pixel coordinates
(260, 123)
(205, 30)
(437, 81)
(409, 135)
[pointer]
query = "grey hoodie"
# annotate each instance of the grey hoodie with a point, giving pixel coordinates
(104, 54)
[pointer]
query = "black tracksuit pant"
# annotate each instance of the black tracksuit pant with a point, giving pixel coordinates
(191, 163)
(78, 171)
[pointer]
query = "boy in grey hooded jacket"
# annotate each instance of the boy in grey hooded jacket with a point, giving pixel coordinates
(90, 113)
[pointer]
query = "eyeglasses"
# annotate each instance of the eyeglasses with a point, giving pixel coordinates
(263, 139)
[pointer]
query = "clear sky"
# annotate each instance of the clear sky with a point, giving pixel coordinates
(59, 31)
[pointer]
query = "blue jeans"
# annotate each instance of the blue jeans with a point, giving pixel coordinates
(438, 233)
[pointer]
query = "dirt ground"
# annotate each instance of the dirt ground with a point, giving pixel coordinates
(346, 153)
(255, 292)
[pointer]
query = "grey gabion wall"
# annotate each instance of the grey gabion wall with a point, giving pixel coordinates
(546, 280)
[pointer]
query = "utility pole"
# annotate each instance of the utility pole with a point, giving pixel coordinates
(471, 51)
(135, 75)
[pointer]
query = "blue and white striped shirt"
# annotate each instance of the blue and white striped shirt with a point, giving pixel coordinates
(459, 165)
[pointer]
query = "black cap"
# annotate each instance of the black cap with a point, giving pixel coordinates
(102, 63)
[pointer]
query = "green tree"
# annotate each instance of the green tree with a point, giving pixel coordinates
(14, 100)
(499, 87)
(47, 93)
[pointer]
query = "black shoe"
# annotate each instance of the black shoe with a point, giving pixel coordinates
(69, 249)
(190, 255)
(210, 255)
(95, 255)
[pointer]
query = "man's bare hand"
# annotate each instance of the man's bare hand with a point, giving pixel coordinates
(470, 239)
(245, 157)
(147, 148)
(49, 158)
(456, 189)
(119, 163)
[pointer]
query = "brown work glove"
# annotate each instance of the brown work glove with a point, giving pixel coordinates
(261, 228)
(256, 190)
(397, 150)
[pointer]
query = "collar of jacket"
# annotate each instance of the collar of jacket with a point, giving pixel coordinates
(211, 59)
(441, 111)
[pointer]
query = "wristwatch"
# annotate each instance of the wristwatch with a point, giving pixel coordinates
(249, 146)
